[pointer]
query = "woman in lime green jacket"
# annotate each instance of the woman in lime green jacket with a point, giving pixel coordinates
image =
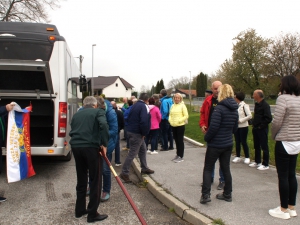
(177, 119)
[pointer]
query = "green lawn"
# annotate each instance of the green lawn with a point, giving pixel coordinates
(193, 131)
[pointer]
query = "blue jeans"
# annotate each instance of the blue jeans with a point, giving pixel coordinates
(117, 150)
(221, 179)
(153, 134)
(167, 134)
(211, 156)
(106, 175)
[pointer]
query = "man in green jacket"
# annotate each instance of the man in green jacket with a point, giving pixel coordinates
(89, 132)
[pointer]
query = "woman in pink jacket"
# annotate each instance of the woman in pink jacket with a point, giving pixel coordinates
(154, 130)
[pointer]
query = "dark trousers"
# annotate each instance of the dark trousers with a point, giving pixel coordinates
(153, 136)
(117, 150)
(106, 174)
(287, 182)
(260, 139)
(88, 162)
(241, 138)
(178, 133)
(167, 134)
(211, 156)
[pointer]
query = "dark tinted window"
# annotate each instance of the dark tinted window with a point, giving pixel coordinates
(25, 50)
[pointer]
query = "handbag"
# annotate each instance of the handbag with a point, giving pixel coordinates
(250, 122)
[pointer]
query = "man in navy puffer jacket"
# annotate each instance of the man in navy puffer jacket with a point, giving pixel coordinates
(139, 121)
(224, 122)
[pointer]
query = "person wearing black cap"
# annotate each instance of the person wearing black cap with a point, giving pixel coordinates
(208, 93)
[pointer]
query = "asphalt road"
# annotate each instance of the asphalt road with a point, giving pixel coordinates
(49, 198)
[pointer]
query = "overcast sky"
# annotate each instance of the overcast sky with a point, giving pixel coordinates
(145, 41)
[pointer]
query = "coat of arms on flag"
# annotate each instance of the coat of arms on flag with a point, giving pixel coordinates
(18, 155)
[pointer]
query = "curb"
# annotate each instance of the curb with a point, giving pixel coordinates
(182, 210)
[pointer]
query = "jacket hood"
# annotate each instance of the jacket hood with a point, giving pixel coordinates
(151, 107)
(108, 105)
(230, 103)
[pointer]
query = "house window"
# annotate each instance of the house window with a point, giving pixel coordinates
(116, 84)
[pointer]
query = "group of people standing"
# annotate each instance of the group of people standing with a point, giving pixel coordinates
(224, 114)
(95, 130)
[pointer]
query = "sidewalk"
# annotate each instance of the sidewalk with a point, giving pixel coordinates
(254, 191)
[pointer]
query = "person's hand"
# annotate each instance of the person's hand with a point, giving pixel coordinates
(203, 128)
(10, 106)
(104, 150)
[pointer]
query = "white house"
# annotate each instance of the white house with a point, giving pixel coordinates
(111, 87)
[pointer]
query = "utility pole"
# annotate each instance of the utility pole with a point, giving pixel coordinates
(80, 63)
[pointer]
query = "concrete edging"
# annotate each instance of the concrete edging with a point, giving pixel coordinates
(182, 210)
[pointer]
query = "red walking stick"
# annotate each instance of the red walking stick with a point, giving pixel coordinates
(137, 212)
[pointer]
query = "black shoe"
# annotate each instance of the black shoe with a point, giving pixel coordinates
(2, 199)
(224, 197)
(164, 149)
(221, 185)
(205, 198)
(79, 215)
(125, 178)
(147, 171)
(171, 148)
(98, 217)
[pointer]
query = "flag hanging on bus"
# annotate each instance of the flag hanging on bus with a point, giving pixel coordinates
(18, 154)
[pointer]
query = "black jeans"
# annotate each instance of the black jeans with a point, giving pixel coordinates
(260, 139)
(211, 156)
(178, 133)
(88, 161)
(241, 138)
(287, 182)
(167, 134)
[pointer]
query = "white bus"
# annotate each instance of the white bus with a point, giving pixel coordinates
(37, 68)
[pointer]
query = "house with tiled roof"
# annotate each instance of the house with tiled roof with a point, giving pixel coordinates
(185, 92)
(111, 87)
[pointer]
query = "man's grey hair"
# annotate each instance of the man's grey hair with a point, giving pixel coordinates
(144, 97)
(155, 96)
(260, 94)
(101, 102)
(89, 100)
(163, 92)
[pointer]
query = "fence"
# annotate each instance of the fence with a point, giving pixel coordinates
(198, 101)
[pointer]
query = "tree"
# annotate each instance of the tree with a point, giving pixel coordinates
(284, 55)
(157, 87)
(26, 11)
(161, 84)
(246, 70)
(198, 89)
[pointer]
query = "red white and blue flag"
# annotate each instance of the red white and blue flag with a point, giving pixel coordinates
(18, 155)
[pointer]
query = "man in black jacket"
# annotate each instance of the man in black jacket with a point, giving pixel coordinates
(262, 118)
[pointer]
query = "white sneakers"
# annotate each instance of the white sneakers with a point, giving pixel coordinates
(292, 212)
(148, 151)
(153, 153)
(254, 164)
(262, 167)
(247, 161)
(236, 159)
(282, 215)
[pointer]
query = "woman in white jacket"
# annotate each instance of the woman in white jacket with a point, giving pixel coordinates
(242, 132)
